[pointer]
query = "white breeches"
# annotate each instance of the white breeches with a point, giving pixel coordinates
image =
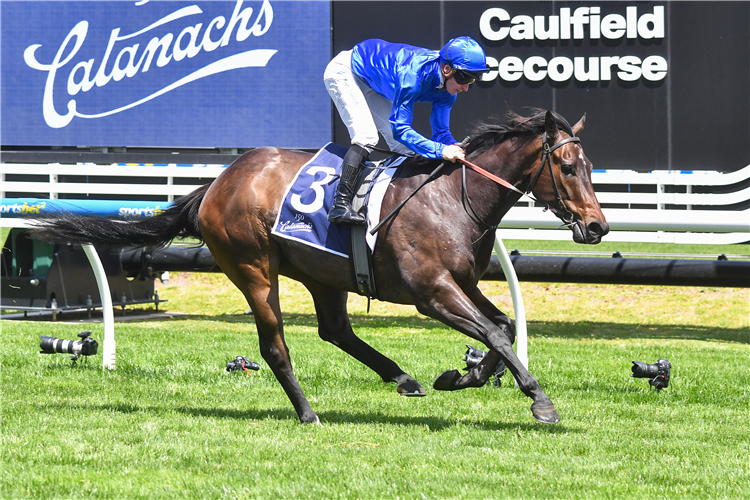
(363, 111)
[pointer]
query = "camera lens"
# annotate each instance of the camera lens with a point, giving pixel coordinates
(644, 370)
(657, 373)
(52, 345)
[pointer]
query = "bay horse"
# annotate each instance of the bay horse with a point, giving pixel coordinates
(430, 255)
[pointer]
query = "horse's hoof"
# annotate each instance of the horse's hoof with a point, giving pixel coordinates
(446, 380)
(310, 419)
(411, 389)
(545, 413)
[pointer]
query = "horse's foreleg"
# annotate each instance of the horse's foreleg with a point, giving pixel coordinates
(334, 327)
(452, 380)
(450, 305)
(493, 313)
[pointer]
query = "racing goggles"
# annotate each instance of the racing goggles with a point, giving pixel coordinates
(464, 77)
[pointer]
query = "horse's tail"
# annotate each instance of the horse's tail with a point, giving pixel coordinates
(180, 220)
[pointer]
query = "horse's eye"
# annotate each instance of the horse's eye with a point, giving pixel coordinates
(568, 169)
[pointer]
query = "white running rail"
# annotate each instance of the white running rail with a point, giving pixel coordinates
(657, 206)
(660, 206)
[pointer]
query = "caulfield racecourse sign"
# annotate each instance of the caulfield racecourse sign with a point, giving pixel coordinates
(200, 74)
(581, 23)
(664, 84)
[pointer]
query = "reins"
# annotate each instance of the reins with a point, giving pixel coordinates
(547, 151)
(492, 177)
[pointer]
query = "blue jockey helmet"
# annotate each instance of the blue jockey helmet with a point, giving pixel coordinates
(464, 53)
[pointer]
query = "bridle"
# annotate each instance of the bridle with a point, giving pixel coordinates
(547, 150)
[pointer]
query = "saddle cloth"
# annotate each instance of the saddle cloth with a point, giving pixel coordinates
(303, 214)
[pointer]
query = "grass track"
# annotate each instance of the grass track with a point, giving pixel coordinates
(171, 423)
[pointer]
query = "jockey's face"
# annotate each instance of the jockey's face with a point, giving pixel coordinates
(451, 85)
(454, 88)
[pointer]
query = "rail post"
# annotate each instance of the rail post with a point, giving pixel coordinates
(515, 293)
(108, 347)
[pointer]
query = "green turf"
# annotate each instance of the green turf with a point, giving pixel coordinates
(170, 422)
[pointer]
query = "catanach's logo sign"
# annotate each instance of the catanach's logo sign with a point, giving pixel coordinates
(582, 23)
(127, 55)
(180, 73)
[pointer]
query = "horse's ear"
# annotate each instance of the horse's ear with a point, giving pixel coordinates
(550, 125)
(579, 126)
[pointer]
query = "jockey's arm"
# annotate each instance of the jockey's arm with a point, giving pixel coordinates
(440, 119)
(402, 115)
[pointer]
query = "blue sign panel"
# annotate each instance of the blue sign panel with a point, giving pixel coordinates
(165, 73)
(38, 207)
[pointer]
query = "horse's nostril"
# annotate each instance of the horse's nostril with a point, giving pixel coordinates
(598, 228)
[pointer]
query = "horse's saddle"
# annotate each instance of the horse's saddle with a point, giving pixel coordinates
(303, 214)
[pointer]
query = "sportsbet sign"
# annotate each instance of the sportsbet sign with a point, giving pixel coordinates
(581, 23)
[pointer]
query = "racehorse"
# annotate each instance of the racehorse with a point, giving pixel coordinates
(431, 254)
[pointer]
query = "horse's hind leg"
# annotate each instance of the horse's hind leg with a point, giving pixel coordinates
(263, 297)
(256, 275)
(265, 306)
(334, 327)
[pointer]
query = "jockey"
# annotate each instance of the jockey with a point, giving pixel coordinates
(375, 86)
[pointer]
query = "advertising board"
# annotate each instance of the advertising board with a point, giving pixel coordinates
(165, 73)
(664, 85)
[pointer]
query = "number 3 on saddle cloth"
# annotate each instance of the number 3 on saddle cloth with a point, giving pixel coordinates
(303, 214)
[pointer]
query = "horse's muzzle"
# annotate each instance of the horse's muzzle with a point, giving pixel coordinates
(591, 233)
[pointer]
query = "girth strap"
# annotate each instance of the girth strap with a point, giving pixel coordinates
(361, 259)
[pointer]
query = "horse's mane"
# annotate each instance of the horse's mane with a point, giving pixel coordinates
(485, 136)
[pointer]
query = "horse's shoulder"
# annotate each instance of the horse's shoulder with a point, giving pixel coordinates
(414, 170)
(419, 163)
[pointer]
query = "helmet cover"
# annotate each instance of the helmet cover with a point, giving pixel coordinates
(464, 53)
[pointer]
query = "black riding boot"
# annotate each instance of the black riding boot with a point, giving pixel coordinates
(342, 203)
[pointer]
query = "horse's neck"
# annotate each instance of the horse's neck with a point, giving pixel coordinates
(513, 165)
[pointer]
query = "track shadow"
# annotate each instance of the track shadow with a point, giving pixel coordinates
(556, 329)
(437, 424)
(616, 331)
(228, 413)
(434, 424)
(358, 320)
